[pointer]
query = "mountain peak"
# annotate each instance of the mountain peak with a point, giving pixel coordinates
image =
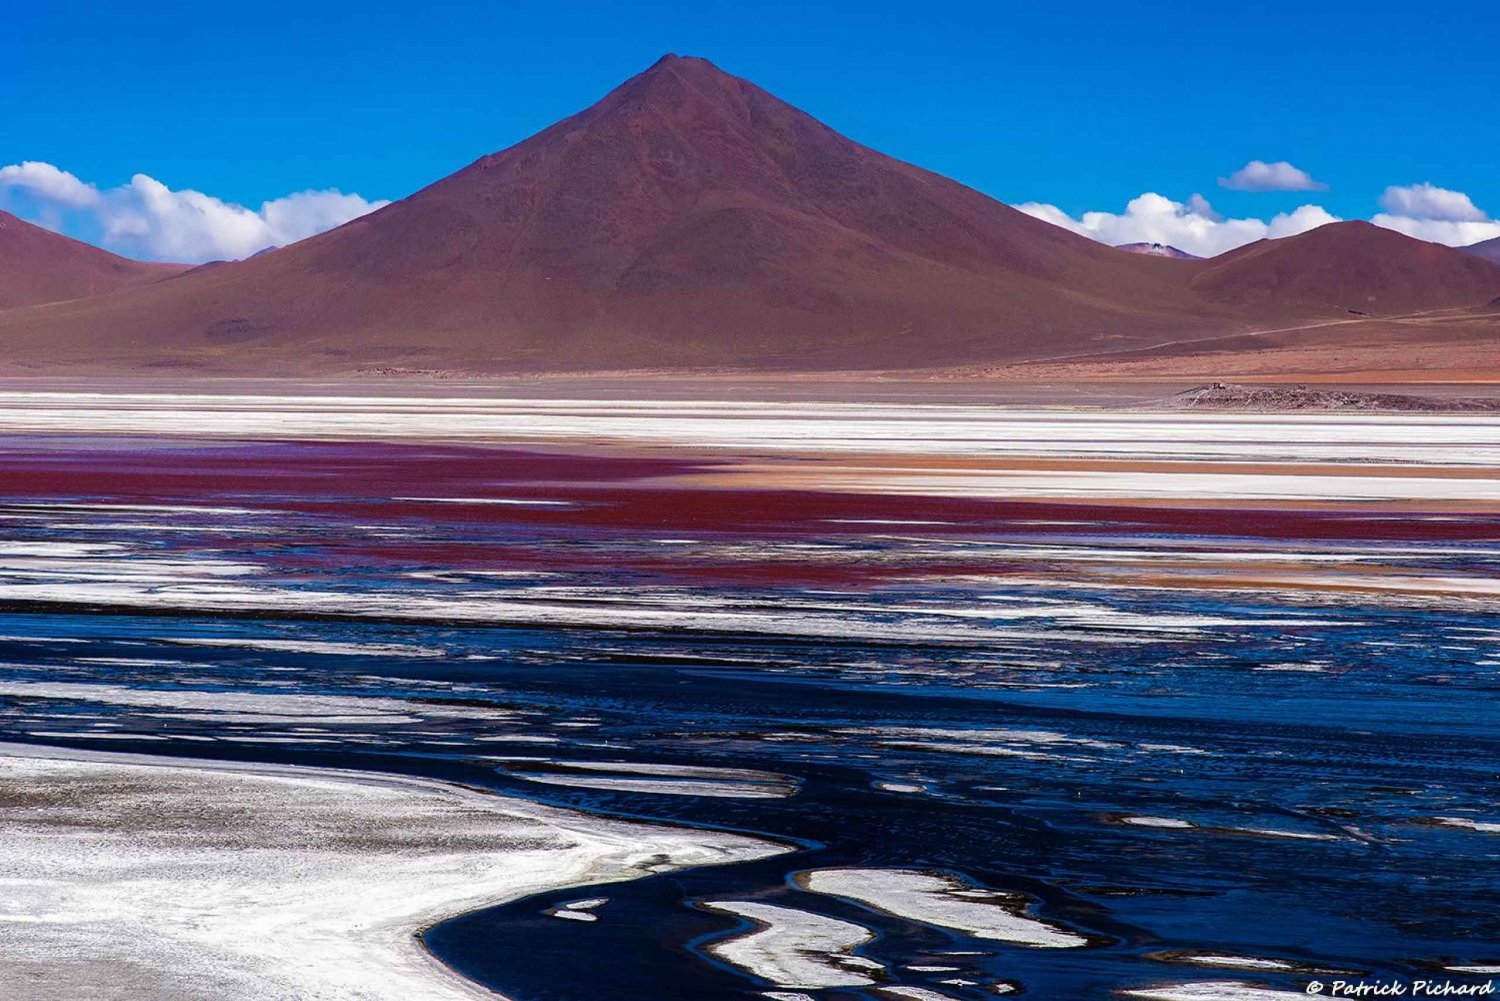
(672, 60)
(674, 80)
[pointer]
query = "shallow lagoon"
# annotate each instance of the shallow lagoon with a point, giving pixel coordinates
(1209, 747)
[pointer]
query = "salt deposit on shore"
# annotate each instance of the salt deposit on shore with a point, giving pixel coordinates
(795, 948)
(941, 900)
(151, 878)
(1212, 990)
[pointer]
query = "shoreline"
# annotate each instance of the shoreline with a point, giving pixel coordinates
(163, 894)
(1064, 388)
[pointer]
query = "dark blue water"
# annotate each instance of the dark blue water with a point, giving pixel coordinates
(1364, 757)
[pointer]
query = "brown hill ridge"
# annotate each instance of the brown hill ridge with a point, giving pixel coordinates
(691, 220)
(1351, 267)
(38, 266)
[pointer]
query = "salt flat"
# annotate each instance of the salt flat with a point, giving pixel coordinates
(941, 449)
(143, 878)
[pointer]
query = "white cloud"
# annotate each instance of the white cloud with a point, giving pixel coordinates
(1445, 231)
(1440, 215)
(145, 218)
(1198, 205)
(307, 213)
(1192, 226)
(1257, 175)
(48, 183)
(1428, 201)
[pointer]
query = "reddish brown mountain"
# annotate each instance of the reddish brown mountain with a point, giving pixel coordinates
(38, 265)
(687, 219)
(1488, 249)
(1349, 267)
(692, 220)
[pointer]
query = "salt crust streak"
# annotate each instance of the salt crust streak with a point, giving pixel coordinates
(940, 900)
(794, 948)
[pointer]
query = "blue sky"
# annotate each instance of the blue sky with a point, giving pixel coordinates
(1081, 106)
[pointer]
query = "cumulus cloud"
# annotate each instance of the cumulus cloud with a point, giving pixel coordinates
(1428, 201)
(1453, 234)
(1439, 215)
(146, 218)
(1192, 226)
(1257, 175)
(48, 183)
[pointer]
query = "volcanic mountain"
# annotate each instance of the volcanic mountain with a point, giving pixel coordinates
(1351, 268)
(690, 220)
(687, 219)
(38, 265)
(1488, 249)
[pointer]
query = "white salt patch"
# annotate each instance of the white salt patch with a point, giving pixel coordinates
(248, 706)
(1487, 827)
(666, 787)
(1166, 822)
(1238, 962)
(587, 904)
(246, 739)
(934, 899)
(1272, 832)
(91, 735)
(310, 646)
(1474, 969)
(915, 993)
(206, 587)
(518, 738)
(677, 771)
(567, 915)
(792, 948)
(1212, 990)
(128, 661)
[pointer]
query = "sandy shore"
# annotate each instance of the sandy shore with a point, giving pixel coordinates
(146, 878)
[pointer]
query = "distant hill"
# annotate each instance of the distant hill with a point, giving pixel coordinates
(1488, 249)
(1348, 267)
(40, 266)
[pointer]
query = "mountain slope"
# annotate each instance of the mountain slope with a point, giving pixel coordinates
(687, 219)
(1349, 268)
(1487, 249)
(38, 265)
